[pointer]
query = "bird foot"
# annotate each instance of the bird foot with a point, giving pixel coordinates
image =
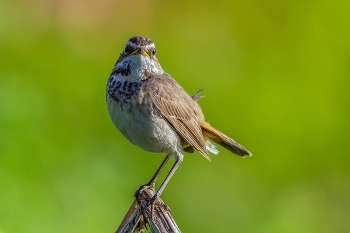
(147, 202)
(141, 198)
(150, 204)
(142, 188)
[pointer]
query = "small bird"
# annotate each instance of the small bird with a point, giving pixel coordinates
(156, 114)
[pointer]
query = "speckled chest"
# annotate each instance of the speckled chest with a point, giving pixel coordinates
(122, 91)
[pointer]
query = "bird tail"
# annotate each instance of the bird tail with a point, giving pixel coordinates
(224, 141)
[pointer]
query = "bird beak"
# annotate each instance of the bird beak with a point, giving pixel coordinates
(141, 51)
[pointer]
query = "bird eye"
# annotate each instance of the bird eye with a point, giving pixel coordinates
(127, 48)
(154, 51)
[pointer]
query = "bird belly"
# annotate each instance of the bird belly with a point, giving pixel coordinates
(144, 129)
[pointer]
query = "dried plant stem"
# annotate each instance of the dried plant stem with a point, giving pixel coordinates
(161, 221)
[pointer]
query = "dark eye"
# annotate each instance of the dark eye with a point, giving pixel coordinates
(127, 49)
(154, 51)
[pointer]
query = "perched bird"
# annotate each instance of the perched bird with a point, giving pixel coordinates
(155, 113)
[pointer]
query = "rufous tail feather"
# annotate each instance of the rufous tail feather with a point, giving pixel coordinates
(224, 141)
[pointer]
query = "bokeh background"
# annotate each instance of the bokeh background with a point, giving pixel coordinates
(276, 76)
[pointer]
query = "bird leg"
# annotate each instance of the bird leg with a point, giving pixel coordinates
(152, 182)
(153, 200)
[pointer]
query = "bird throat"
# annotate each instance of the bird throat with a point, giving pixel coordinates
(135, 68)
(128, 77)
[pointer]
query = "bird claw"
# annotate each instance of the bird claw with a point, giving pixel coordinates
(138, 195)
(142, 188)
(150, 204)
(166, 207)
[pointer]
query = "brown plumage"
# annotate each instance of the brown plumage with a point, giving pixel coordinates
(182, 113)
(185, 116)
(155, 113)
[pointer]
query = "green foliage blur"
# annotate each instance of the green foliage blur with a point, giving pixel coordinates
(276, 76)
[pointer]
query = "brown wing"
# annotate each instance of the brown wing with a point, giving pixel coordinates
(182, 113)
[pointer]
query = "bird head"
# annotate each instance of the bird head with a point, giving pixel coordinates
(139, 53)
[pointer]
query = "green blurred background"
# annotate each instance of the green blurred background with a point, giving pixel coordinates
(276, 79)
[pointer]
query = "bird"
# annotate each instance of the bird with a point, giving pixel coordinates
(156, 114)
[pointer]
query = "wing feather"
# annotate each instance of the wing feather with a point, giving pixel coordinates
(179, 110)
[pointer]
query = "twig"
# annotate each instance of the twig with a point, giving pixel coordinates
(161, 221)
